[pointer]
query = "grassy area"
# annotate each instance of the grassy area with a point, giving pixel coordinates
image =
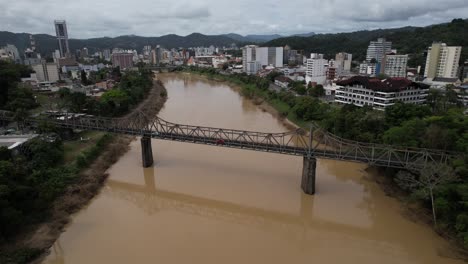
(46, 101)
(75, 147)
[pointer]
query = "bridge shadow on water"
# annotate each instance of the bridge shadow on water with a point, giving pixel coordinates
(298, 229)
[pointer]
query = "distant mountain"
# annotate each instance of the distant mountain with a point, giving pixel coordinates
(46, 44)
(407, 40)
(304, 34)
(262, 38)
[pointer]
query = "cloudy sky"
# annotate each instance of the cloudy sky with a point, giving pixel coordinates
(97, 18)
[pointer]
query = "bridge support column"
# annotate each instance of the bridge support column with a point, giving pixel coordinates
(308, 175)
(146, 152)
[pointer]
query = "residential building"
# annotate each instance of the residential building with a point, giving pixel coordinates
(270, 56)
(122, 60)
(62, 38)
(378, 49)
(462, 93)
(11, 52)
(442, 61)
(316, 69)
(156, 55)
(379, 94)
(394, 65)
(264, 55)
(343, 63)
(464, 72)
(282, 81)
(107, 54)
(441, 82)
(252, 67)
(46, 72)
(367, 68)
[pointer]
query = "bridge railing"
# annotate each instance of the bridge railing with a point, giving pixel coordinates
(316, 142)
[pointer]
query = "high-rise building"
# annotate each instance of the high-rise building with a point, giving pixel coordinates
(62, 38)
(107, 54)
(156, 55)
(122, 60)
(343, 63)
(265, 56)
(316, 69)
(378, 49)
(395, 65)
(442, 61)
(46, 72)
(12, 53)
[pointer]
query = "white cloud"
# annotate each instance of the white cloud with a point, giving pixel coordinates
(91, 18)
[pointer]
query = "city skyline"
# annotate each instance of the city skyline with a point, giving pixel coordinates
(155, 18)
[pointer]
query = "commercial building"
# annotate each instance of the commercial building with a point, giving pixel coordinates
(316, 71)
(10, 52)
(395, 65)
(122, 60)
(46, 72)
(265, 56)
(379, 94)
(343, 63)
(62, 38)
(442, 61)
(378, 49)
(156, 55)
(367, 68)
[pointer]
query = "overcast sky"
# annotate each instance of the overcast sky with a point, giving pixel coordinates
(98, 18)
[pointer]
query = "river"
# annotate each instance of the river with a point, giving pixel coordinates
(204, 204)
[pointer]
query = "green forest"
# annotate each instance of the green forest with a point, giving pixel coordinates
(440, 124)
(410, 40)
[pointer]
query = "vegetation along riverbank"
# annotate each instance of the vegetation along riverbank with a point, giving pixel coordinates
(40, 188)
(440, 124)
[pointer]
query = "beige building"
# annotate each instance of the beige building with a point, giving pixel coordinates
(442, 61)
(395, 65)
(46, 72)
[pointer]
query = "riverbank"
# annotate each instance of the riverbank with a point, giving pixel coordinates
(32, 244)
(414, 210)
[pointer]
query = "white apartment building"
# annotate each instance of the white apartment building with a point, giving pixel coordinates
(395, 65)
(442, 61)
(343, 63)
(379, 94)
(366, 68)
(378, 49)
(46, 72)
(266, 56)
(316, 69)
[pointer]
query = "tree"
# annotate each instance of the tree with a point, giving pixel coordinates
(317, 91)
(423, 182)
(84, 78)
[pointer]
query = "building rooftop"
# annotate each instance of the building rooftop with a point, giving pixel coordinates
(387, 85)
(447, 80)
(282, 79)
(13, 141)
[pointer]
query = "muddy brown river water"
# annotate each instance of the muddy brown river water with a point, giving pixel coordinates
(204, 204)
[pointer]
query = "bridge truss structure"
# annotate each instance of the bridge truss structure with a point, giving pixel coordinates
(316, 142)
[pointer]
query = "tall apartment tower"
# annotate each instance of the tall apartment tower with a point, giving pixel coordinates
(62, 38)
(316, 69)
(343, 63)
(378, 49)
(442, 61)
(394, 65)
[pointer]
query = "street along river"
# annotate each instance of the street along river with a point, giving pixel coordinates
(204, 204)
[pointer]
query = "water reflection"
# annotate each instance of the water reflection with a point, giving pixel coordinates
(203, 204)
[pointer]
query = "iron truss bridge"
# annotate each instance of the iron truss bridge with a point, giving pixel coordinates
(316, 142)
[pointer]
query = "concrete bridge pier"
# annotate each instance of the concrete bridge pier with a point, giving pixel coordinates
(146, 152)
(308, 175)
